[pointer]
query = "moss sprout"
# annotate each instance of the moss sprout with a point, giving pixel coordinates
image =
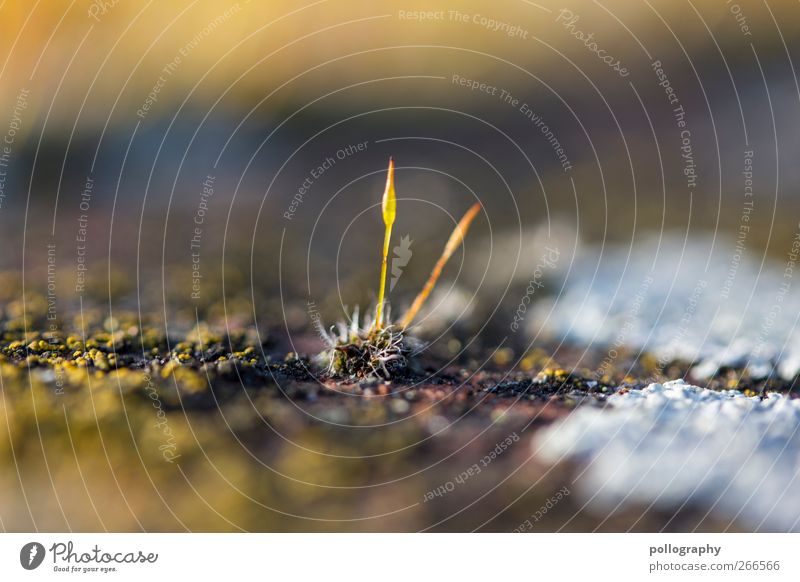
(372, 348)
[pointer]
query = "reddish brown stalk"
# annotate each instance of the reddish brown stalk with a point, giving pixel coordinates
(452, 244)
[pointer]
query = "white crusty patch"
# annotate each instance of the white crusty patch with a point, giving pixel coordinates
(669, 444)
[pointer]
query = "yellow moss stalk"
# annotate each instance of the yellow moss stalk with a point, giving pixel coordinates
(389, 208)
(452, 244)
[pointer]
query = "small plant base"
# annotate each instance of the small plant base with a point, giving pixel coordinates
(367, 352)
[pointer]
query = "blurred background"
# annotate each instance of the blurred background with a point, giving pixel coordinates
(223, 163)
(146, 100)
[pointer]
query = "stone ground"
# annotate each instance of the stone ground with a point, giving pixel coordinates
(113, 427)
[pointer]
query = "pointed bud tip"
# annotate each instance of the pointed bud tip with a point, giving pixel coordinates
(389, 204)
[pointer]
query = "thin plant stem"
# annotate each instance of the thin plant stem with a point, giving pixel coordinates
(389, 210)
(382, 289)
(452, 244)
